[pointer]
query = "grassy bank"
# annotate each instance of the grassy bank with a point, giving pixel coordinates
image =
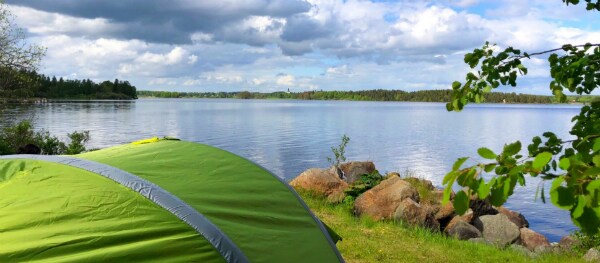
(365, 240)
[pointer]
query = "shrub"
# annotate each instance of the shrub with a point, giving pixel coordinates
(23, 133)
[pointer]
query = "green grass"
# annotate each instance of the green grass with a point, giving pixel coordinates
(365, 240)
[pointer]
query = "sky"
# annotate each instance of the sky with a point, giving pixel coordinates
(300, 45)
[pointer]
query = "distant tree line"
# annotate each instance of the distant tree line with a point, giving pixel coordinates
(24, 84)
(363, 95)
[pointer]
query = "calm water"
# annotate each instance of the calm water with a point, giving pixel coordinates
(288, 137)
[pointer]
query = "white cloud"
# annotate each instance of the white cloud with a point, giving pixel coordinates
(286, 80)
(329, 44)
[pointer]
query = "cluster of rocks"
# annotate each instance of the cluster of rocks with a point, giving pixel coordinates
(398, 199)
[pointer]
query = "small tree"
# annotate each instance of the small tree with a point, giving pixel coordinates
(16, 55)
(339, 155)
(573, 166)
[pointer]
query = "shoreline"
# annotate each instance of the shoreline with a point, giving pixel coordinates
(344, 100)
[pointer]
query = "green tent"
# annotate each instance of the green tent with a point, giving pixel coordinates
(154, 200)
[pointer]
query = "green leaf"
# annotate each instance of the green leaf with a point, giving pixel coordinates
(489, 167)
(456, 85)
(561, 196)
(593, 186)
(483, 190)
(459, 163)
(521, 179)
(564, 163)
(512, 149)
(596, 160)
(578, 210)
(541, 160)
(461, 202)
(486, 153)
(596, 146)
(447, 194)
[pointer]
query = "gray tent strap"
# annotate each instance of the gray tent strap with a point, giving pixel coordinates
(153, 192)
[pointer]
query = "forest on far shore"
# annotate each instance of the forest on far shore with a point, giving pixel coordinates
(364, 95)
(24, 85)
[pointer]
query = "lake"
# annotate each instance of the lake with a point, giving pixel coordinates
(288, 137)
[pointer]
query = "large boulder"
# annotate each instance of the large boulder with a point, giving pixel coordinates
(462, 230)
(353, 170)
(497, 229)
(514, 217)
(531, 239)
(592, 255)
(568, 242)
(414, 214)
(321, 182)
(381, 201)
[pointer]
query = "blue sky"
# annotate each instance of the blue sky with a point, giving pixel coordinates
(272, 45)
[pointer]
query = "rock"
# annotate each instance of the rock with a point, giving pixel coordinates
(321, 182)
(522, 250)
(381, 201)
(514, 217)
(353, 170)
(531, 239)
(462, 231)
(414, 214)
(592, 255)
(445, 212)
(568, 242)
(467, 218)
(546, 250)
(497, 229)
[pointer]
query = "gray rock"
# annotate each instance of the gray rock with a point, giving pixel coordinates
(497, 229)
(414, 214)
(546, 250)
(532, 240)
(514, 216)
(353, 170)
(462, 230)
(523, 250)
(568, 242)
(593, 255)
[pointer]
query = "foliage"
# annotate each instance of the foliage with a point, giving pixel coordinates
(363, 184)
(15, 53)
(572, 165)
(78, 140)
(366, 240)
(362, 95)
(587, 241)
(23, 133)
(339, 153)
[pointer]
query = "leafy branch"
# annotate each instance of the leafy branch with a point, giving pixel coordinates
(572, 165)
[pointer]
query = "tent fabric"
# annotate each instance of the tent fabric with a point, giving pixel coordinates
(51, 212)
(169, 202)
(91, 217)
